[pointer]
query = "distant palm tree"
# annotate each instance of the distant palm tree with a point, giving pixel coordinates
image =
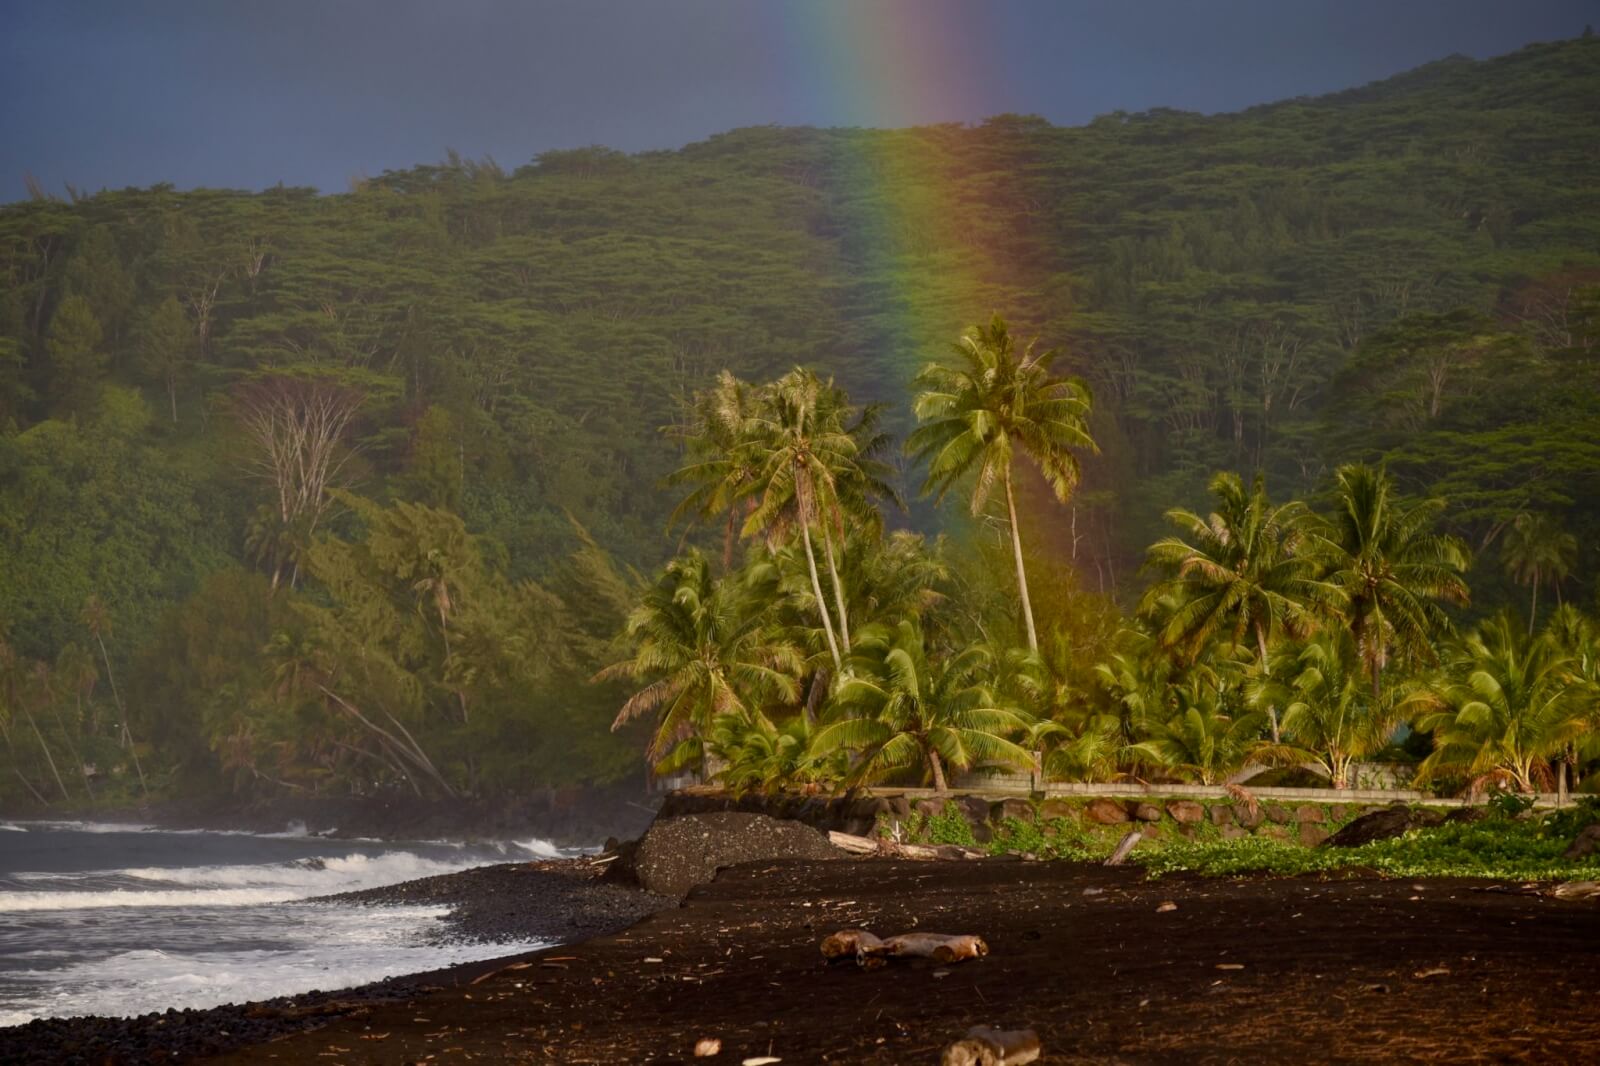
(1538, 551)
(720, 466)
(1240, 573)
(701, 649)
(979, 414)
(97, 619)
(1391, 567)
(1576, 634)
(1503, 709)
(902, 709)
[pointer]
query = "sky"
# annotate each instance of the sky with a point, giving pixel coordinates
(250, 93)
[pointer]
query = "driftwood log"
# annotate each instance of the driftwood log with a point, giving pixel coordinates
(888, 848)
(871, 952)
(1119, 856)
(983, 1046)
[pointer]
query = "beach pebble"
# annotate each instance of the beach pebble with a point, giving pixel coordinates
(1166, 907)
(706, 1047)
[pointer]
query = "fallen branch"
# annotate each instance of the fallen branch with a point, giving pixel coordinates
(922, 852)
(870, 952)
(983, 1046)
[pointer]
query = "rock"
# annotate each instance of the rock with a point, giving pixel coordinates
(1276, 813)
(928, 808)
(1147, 812)
(1338, 813)
(1307, 812)
(1467, 815)
(1020, 809)
(1057, 808)
(1585, 844)
(1187, 812)
(1167, 907)
(1246, 817)
(677, 854)
(981, 833)
(1233, 832)
(1221, 814)
(1273, 832)
(974, 808)
(1105, 812)
(1384, 824)
(1312, 834)
(900, 805)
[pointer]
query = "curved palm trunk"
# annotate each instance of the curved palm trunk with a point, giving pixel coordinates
(1266, 671)
(1022, 574)
(838, 591)
(48, 758)
(1533, 607)
(937, 763)
(816, 590)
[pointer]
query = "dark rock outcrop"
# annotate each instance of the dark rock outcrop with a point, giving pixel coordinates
(1384, 823)
(676, 854)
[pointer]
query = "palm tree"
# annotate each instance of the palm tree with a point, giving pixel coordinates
(902, 709)
(1383, 556)
(1503, 708)
(802, 453)
(1242, 573)
(98, 621)
(1202, 740)
(721, 467)
(1579, 640)
(978, 414)
(1537, 550)
(701, 649)
(1328, 721)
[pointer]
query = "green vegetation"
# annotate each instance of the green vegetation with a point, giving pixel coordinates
(347, 493)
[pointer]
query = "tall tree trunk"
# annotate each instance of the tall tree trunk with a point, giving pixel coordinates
(172, 398)
(72, 749)
(48, 758)
(1533, 607)
(838, 591)
(937, 763)
(816, 590)
(1266, 671)
(122, 713)
(1022, 574)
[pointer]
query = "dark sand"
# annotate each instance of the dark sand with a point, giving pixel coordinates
(1252, 970)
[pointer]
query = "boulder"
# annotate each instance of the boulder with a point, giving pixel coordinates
(928, 808)
(1147, 812)
(1057, 808)
(1276, 813)
(1312, 834)
(1221, 814)
(1307, 812)
(1245, 816)
(1383, 824)
(1585, 844)
(975, 808)
(1233, 832)
(1106, 812)
(900, 806)
(1338, 813)
(1467, 815)
(1273, 831)
(676, 854)
(1186, 811)
(1020, 809)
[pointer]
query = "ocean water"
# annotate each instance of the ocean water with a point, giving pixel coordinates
(122, 920)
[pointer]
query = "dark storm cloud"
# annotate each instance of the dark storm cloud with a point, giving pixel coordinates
(107, 93)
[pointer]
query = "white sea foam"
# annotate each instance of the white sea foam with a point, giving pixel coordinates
(328, 948)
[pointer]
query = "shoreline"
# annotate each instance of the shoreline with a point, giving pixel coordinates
(556, 901)
(1306, 968)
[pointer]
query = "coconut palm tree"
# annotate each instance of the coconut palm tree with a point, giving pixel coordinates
(1328, 720)
(1504, 707)
(702, 649)
(979, 413)
(1240, 573)
(1391, 568)
(801, 453)
(1204, 740)
(1579, 640)
(901, 709)
(97, 619)
(720, 465)
(1538, 551)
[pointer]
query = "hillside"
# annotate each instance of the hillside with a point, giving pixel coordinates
(1406, 272)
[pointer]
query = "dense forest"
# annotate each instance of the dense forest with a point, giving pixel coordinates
(331, 493)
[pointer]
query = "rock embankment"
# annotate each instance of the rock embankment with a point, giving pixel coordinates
(677, 853)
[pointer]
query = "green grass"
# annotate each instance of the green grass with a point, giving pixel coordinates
(1496, 848)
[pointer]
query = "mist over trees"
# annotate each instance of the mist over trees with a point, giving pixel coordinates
(327, 493)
